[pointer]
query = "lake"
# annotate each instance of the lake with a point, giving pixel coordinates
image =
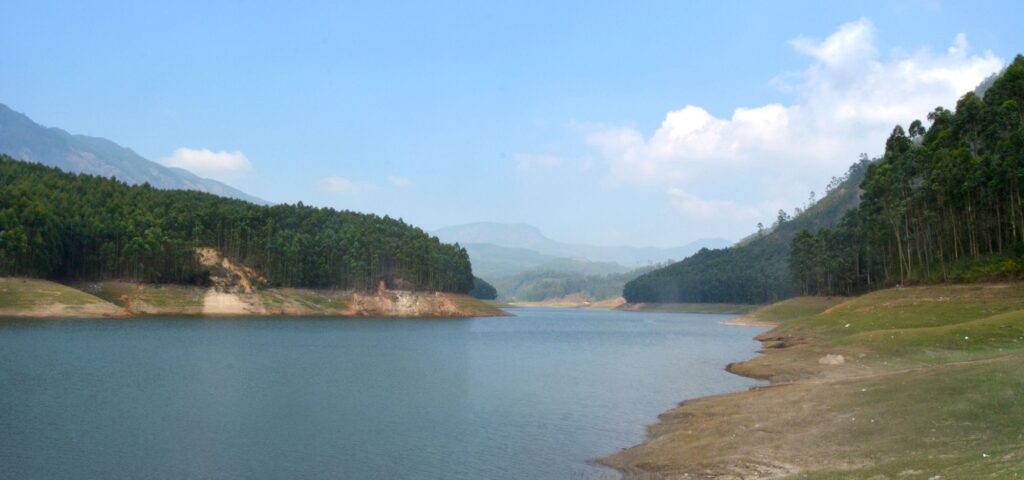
(533, 396)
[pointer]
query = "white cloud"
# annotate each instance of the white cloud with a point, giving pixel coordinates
(209, 163)
(338, 185)
(844, 103)
(400, 182)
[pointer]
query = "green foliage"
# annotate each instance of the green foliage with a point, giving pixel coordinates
(756, 270)
(943, 204)
(546, 283)
(483, 290)
(57, 225)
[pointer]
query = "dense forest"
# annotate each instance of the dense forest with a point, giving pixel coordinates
(756, 269)
(483, 290)
(63, 226)
(943, 204)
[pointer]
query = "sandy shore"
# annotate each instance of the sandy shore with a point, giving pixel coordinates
(33, 298)
(750, 322)
(904, 383)
(744, 435)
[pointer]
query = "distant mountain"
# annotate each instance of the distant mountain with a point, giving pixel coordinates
(546, 284)
(23, 139)
(492, 262)
(529, 237)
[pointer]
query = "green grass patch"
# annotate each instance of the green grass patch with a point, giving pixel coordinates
(913, 307)
(26, 293)
(795, 308)
(949, 396)
(160, 296)
(956, 421)
(480, 307)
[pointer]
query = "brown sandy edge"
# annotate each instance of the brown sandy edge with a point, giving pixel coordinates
(738, 435)
(747, 321)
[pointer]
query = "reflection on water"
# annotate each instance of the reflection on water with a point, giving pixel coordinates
(531, 396)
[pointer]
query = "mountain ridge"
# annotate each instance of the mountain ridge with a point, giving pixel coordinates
(24, 139)
(526, 236)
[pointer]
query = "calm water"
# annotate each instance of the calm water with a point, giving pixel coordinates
(534, 396)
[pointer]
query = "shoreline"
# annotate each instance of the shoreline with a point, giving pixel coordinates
(690, 413)
(913, 382)
(28, 298)
(736, 435)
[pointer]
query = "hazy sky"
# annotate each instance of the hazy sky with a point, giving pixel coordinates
(644, 123)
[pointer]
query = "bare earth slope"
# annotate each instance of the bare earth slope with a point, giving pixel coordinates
(238, 290)
(912, 383)
(147, 299)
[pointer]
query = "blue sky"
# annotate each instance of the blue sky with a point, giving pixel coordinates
(643, 123)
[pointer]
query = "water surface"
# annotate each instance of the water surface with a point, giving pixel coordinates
(533, 396)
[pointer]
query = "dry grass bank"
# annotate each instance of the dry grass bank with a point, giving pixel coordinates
(912, 383)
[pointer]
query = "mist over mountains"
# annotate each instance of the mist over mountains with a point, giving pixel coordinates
(525, 265)
(528, 237)
(24, 139)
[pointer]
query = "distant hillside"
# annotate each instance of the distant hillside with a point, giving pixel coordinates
(544, 284)
(529, 237)
(23, 139)
(61, 226)
(492, 262)
(757, 269)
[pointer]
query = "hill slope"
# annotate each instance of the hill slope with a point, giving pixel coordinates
(546, 284)
(754, 271)
(492, 262)
(57, 225)
(944, 204)
(529, 237)
(23, 139)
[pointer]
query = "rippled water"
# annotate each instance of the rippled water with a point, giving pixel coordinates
(533, 396)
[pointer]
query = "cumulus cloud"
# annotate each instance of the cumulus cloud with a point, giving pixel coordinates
(337, 185)
(844, 103)
(209, 163)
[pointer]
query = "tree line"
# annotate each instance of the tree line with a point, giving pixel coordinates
(757, 268)
(942, 204)
(61, 226)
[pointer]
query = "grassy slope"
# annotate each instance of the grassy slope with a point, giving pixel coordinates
(33, 298)
(149, 299)
(475, 306)
(932, 384)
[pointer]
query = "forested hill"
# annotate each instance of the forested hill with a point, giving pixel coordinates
(756, 270)
(943, 204)
(63, 226)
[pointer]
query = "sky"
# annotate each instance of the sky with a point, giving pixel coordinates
(626, 123)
